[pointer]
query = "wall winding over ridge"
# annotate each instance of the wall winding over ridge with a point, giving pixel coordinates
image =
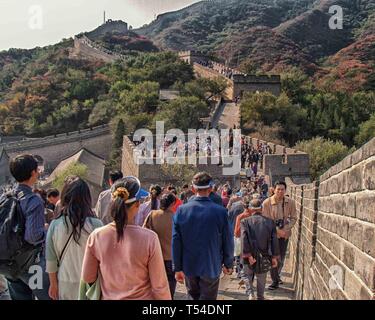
(53, 149)
(333, 244)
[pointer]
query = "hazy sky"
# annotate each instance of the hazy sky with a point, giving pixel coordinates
(31, 23)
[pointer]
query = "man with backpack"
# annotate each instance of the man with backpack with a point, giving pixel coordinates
(22, 236)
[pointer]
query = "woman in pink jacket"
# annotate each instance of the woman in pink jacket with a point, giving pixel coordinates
(126, 257)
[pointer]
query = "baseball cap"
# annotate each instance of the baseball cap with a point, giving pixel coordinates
(141, 193)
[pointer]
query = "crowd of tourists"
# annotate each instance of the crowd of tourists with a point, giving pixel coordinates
(251, 155)
(220, 68)
(137, 244)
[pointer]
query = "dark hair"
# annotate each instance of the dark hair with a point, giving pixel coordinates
(166, 200)
(185, 186)
(118, 208)
(155, 192)
(22, 166)
(42, 193)
(172, 189)
(53, 193)
(280, 183)
(76, 204)
(202, 179)
(115, 175)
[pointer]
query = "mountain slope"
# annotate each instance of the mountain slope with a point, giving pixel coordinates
(205, 24)
(267, 35)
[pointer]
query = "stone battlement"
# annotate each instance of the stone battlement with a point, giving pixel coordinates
(240, 78)
(333, 243)
(84, 46)
(284, 162)
(238, 82)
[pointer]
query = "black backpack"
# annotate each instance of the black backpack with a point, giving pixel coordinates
(16, 255)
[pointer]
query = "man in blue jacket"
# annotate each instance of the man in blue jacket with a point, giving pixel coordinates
(24, 169)
(202, 242)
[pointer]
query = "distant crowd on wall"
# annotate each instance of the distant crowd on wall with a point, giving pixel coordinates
(251, 155)
(220, 68)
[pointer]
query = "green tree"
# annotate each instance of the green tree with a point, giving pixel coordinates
(182, 173)
(205, 89)
(268, 109)
(366, 131)
(119, 134)
(102, 112)
(74, 169)
(324, 153)
(297, 85)
(143, 97)
(183, 113)
(118, 137)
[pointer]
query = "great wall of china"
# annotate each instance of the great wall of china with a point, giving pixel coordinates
(53, 149)
(85, 48)
(333, 245)
(238, 82)
(332, 249)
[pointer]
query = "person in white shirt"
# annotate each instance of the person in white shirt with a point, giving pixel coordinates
(104, 200)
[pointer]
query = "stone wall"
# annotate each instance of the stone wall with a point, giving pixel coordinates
(283, 162)
(85, 48)
(251, 83)
(333, 244)
(53, 149)
(280, 166)
(192, 56)
(208, 73)
(150, 174)
(82, 49)
(239, 83)
(128, 166)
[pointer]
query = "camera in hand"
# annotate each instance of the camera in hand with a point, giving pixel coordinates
(279, 223)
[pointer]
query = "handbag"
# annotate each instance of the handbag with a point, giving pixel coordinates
(90, 292)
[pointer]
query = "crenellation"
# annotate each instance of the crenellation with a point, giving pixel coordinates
(342, 234)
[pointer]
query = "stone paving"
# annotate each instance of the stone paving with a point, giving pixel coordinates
(230, 116)
(229, 288)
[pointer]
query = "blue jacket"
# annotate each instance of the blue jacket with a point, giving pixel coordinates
(201, 239)
(33, 209)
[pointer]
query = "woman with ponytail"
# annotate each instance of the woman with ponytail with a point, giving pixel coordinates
(127, 258)
(161, 222)
(152, 204)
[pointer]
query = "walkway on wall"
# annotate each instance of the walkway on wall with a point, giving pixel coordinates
(230, 290)
(230, 116)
